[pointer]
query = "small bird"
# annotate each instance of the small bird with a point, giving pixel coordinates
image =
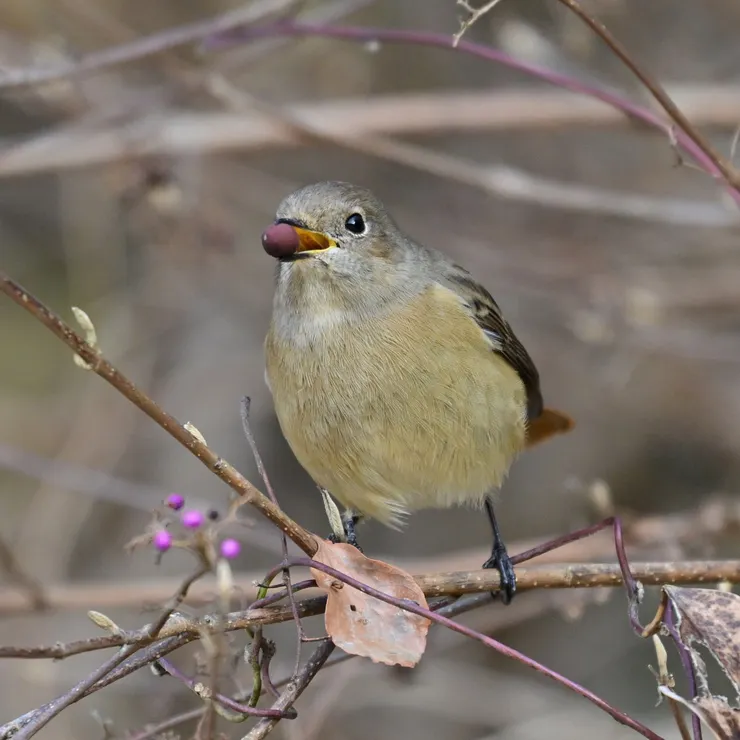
(397, 383)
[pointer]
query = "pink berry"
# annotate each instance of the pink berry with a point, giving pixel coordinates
(230, 548)
(175, 501)
(192, 519)
(162, 540)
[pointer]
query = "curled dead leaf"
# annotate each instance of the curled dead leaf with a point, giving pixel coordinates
(714, 711)
(711, 618)
(361, 624)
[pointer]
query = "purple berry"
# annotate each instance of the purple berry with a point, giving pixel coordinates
(162, 540)
(175, 501)
(230, 548)
(192, 519)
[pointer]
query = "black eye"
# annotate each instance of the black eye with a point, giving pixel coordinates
(355, 223)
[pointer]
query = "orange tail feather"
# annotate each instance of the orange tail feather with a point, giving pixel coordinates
(549, 423)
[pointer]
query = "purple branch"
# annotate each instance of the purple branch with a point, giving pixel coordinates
(414, 608)
(225, 701)
(633, 588)
(669, 620)
(427, 38)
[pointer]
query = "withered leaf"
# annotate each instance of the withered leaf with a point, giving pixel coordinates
(366, 626)
(711, 618)
(714, 711)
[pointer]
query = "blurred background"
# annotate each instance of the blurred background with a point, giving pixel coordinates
(139, 193)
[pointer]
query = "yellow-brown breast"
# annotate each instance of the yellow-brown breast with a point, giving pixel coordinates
(410, 410)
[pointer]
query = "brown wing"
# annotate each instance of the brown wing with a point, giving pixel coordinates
(487, 314)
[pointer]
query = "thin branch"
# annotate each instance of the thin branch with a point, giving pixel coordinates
(683, 139)
(225, 701)
(46, 714)
(295, 688)
(563, 576)
(13, 570)
(156, 43)
(649, 537)
(725, 168)
(178, 625)
(102, 367)
(409, 114)
(457, 607)
(582, 575)
(499, 647)
(475, 15)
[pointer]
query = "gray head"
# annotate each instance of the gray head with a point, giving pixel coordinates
(335, 222)
(336, 245)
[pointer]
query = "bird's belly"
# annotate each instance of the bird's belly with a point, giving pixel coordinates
(404, 425)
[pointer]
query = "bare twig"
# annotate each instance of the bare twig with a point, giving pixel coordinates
(475, 14)
(505, 650)
(409, 114)
(102, 367)
(295, 688)
(155, 44)
(725, 168)
(12, 568)
(651, 537)
(682, 138)
(582, 575)
(39, 719)
(563, 576)
(458, 606)
(247, 428)
(225, 701)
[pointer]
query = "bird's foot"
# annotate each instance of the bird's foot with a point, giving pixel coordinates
(501, 561)
(349, 522)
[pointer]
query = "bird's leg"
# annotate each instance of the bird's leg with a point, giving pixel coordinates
(342, 525)
(500, 558)
(350, 519)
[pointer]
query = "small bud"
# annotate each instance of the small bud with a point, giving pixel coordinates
(175, 501)
(230, 548)
(192, 519)
(91, 337)
(194, 431)
(162, 540)
(104, 622)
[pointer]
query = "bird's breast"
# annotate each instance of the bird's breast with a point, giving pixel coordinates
(410, 409)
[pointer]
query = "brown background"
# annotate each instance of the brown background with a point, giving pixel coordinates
(632, 321)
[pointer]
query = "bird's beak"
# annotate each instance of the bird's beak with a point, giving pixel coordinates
(313, 242)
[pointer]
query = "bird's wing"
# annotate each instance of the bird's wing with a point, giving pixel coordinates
(485, 311)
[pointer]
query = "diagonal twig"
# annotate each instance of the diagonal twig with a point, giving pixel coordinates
(102, 367)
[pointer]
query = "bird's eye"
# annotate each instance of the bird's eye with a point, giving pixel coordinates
(355, 223)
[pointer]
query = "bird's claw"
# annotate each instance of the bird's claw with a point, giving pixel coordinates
(350, 536)
(501, 561)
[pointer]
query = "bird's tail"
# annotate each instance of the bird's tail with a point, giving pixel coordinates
(549, 423)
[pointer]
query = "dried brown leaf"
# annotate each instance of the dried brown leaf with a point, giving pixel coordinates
(710, 618)
(714, 711)
(366, 626)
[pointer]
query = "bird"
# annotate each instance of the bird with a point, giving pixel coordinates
(396, 381)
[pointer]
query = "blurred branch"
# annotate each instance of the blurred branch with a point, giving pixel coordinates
(100, 366)
(677, 138)
(662, 535)
(408, 114)
(223, 30)
(294, 689)
(13, 570)
(156, 43)
(561, 576)
(357, 123)
(724, 167)
(29, 725)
